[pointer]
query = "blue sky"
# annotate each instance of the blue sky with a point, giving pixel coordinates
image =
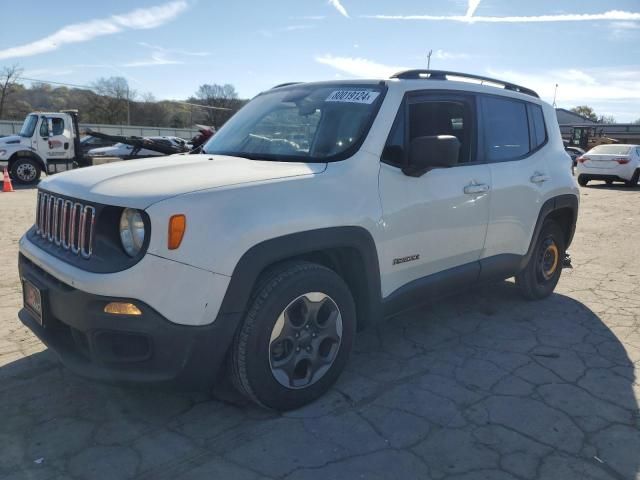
(168, 48)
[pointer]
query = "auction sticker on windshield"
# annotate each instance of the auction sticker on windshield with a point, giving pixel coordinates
(353, 96)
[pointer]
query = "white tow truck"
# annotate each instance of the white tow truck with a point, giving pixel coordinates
(47, 141)
(50, 142)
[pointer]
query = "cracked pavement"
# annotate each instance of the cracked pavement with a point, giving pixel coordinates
(481, 386)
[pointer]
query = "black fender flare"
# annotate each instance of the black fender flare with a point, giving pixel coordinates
(270, 252)
(560, 202)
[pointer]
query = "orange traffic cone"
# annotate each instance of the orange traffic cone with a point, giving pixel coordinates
(6, 185)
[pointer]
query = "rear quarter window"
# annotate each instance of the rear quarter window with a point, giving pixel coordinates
(537, 126)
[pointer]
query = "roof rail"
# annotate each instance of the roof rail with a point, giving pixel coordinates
(443, 74)
(285, 84)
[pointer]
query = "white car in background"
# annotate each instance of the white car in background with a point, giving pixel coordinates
(611, 163)
(128, 152)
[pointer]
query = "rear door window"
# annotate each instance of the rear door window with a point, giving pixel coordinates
(506, 129)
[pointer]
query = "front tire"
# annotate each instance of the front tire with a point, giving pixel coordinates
(25, 171)
(296, 337)
(634, 180)
(583, 180)
(542, 272)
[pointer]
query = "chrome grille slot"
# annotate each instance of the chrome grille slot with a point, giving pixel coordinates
(67, 224)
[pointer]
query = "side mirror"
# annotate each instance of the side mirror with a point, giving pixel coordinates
(426, 153)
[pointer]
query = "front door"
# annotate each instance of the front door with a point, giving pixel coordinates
(54, 143)
(438, 221)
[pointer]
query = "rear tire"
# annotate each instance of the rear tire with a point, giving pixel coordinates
(25, 171)
(296, 337)
(542, 273)
(582, 180)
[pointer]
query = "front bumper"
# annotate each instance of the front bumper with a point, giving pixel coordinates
(125, 349)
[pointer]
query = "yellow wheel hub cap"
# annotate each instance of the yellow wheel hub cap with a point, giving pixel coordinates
(550, 259)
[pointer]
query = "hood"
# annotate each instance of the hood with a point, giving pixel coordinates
(10, 139)
(140, 183)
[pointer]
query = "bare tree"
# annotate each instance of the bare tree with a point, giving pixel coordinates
(220, 96)
(114, 102)
(8, 78)
(606, 119)
(149, 111)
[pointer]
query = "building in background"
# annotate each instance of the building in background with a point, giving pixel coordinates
(579, 131)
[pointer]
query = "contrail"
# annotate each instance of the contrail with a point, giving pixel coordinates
(473, 5)
(339, 7)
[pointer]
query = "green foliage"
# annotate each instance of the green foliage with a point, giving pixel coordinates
(586, 111)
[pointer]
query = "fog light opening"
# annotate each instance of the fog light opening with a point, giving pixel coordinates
(122, 308)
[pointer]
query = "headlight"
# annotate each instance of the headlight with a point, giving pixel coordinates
(131, 231)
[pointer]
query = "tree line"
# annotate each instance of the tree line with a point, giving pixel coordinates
(112, 101)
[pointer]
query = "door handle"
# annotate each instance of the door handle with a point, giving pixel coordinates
(539, 178)
(475, 188)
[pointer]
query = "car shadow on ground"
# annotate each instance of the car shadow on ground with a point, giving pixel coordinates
(483, 385)
(613, 186)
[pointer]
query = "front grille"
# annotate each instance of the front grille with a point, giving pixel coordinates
(65, 223)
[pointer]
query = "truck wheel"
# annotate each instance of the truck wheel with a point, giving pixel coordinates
(540, 277)
(296, 337)
(25, 171)
(582, 180)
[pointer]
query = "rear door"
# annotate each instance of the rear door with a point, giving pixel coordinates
(514, 137)
(437, 221)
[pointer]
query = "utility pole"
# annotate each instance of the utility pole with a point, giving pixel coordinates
(429, 59)
(128, 107)
(555, 95)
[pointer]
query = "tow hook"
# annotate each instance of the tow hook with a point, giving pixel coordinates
(566, 262)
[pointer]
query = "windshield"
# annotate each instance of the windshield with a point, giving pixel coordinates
(300, 123)
(29, 126)
(612, 149)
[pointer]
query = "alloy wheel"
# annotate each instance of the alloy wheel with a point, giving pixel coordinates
(305, 340)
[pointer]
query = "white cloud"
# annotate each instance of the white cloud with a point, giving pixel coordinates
(292, 28)
(157, 58)
(471, 9)
(444, 55)
(611, 15)
(179, 51)
(359, 67)
(580, 86)
(143, 18)
(339, 7)
(309, 17)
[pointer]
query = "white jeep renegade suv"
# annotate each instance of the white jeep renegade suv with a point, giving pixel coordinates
(316, 210)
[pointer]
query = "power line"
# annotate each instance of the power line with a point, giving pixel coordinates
(87, 87)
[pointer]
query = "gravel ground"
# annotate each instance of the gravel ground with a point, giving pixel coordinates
(486, 386)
